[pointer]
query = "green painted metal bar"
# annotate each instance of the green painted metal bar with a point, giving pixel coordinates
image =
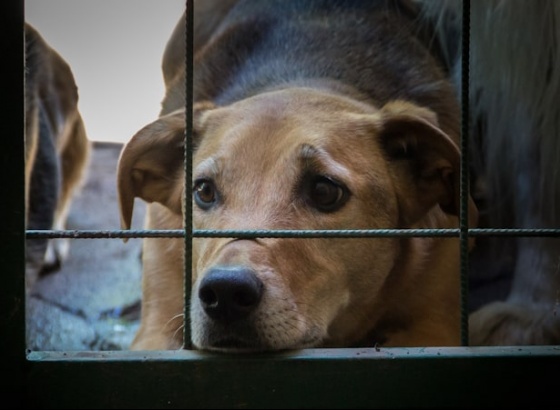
(464, 188)
(187, 203)
(12, 235)
(317, 378)
(263, 233)
(463, 377)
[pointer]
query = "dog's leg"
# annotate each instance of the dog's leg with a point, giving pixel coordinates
(43, 193)
(56, 150)
(74, 159)
(530, 315)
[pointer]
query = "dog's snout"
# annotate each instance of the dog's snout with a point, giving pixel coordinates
(229, 294)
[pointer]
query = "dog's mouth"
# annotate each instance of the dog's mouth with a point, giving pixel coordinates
(234, 310)
(238, 342)
(235, 345)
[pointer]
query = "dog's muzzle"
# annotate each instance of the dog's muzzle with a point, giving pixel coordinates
(230, 294)
(225, 310)
(235, 308)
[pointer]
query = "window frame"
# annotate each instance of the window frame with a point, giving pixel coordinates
(313, 378)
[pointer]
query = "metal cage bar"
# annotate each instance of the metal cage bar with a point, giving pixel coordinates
(464, 187)
(315, 378)
(265, 233)
(188, 233)
(187, 203)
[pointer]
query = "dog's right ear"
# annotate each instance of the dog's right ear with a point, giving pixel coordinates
(151, 163)
(425, 162)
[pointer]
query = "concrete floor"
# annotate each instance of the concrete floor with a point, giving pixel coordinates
(93, 301)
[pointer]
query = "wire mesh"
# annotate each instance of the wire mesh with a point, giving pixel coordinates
(265, 233)
(463, 232)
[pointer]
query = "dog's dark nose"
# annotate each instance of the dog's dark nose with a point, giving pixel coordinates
(229, 294)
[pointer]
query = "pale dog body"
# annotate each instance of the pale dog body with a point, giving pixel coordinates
(57, 151)
(515, 89)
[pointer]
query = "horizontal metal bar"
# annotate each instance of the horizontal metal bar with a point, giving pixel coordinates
(526, 232)
(499, 377)
(286, 233)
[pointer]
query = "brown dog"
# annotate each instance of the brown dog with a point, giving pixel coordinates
(56, 150)
(309, 115)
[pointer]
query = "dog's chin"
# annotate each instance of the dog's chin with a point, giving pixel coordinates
(237, 346)
(231, 343)
(240, 346)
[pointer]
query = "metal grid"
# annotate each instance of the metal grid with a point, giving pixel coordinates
(188, 233)
(467, 377)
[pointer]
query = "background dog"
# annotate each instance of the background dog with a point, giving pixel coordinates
(56, 147)
(308, 115)
(515, 147)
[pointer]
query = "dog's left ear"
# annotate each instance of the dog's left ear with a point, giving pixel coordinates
(151, 163)
(424, 161)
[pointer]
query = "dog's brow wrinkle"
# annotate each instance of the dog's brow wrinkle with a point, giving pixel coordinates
(209, 166)
(315, 159)
(308, 152)
(318, 160)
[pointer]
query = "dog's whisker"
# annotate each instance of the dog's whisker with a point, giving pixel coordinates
(181, 327)
(174, 318)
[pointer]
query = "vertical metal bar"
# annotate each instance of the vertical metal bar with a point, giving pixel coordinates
(12, 234)
(187, 203)
(464, 189)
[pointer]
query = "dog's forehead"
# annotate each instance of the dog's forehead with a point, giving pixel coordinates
(281, 120)
(300, 103)
(280, 136)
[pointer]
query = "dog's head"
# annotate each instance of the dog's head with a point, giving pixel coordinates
(297, 159)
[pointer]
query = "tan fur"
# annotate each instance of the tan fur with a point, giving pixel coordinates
(397, 161)
(320, 292)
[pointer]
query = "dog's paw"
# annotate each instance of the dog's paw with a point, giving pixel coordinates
(57, 252)
(508, 324)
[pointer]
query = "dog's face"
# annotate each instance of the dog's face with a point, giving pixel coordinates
(295, 159)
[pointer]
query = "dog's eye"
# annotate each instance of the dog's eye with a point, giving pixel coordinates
(204, 193)
(327, 195)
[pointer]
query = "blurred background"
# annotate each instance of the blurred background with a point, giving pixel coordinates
(114, 48)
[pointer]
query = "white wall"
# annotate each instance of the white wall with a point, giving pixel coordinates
(114, 48)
